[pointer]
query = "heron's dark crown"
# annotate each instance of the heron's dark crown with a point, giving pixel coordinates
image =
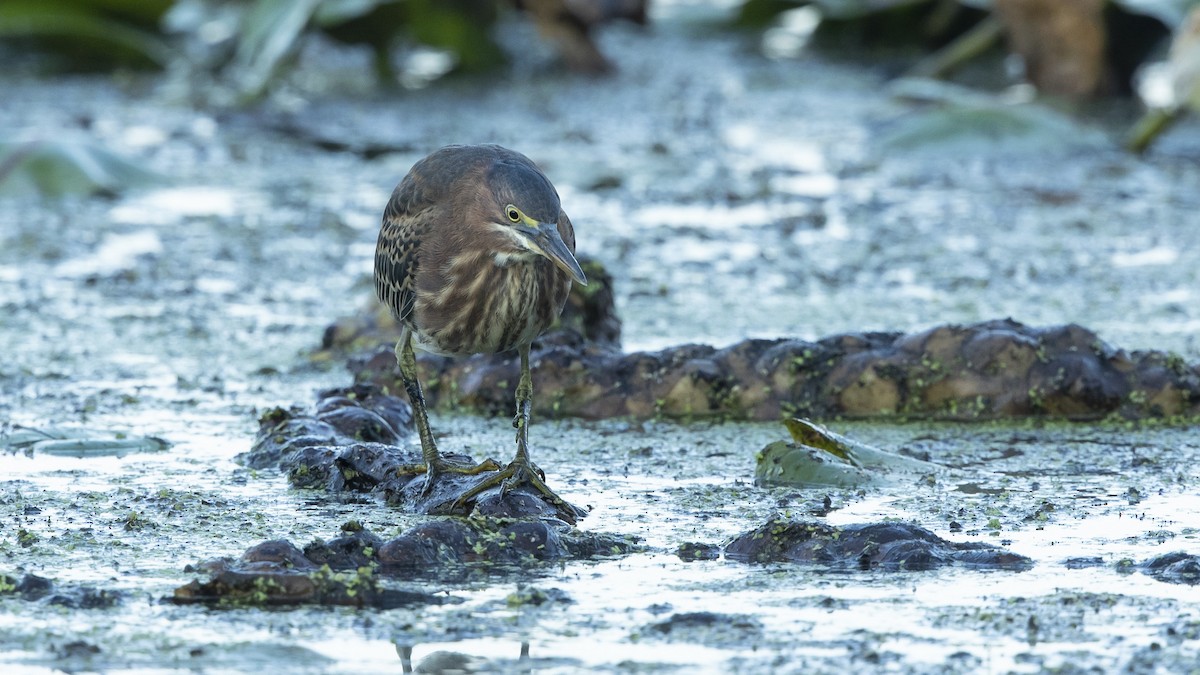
(525, 187)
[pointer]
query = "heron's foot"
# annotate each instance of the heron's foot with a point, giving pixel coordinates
(519, 473)
(440, 466)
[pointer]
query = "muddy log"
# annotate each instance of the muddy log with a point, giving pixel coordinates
(990, 370)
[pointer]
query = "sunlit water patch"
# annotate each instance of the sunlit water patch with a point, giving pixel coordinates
(171, 205)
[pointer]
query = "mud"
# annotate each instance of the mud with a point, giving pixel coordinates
(356, 568)
(894, 546)
(352, 443)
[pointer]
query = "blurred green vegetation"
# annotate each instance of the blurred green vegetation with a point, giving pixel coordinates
(243, 44)
(89, 34)
(241, 47)
(460, 27)
(246, 42)
(937, 37)
(1136, 26)
(943, 35)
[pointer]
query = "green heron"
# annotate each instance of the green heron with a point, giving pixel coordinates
(475, 255)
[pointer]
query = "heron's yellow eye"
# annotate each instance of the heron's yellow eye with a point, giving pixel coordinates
(513, 214)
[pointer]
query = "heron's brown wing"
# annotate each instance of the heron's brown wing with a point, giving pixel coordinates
(414, 209)
(406, 221)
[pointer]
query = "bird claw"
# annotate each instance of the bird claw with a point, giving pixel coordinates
(430, 477)
(531, 474)
(513, 475)
(434, 470)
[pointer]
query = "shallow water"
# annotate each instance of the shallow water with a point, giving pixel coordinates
(740, 197)
(690, 487)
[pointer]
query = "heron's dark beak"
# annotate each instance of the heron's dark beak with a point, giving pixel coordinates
(549, 243)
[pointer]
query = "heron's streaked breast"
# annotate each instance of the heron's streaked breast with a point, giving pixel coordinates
(484, 306)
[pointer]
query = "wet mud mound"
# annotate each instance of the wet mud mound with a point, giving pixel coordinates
(359, 568)
(349, 444)
(1174, 568)
(33, 588)
(705, 628)
(886, 546)
(990, 370)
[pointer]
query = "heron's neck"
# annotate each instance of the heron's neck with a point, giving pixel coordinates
(510, 258)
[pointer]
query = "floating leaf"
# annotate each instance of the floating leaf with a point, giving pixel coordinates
(964, 122)
(80, 443)
(57, 168)
(782, 463)
(818, 457)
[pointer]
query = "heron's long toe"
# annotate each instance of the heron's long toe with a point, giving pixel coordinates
(440, 466)
(522, 473)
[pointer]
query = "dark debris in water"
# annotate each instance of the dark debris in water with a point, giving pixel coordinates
(277, 573)
(1083, 562)
(357, 568)
(886, 546)
(691, 551)
(1174, 568)
(33, 588)
(706, 628)
(348, 445)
